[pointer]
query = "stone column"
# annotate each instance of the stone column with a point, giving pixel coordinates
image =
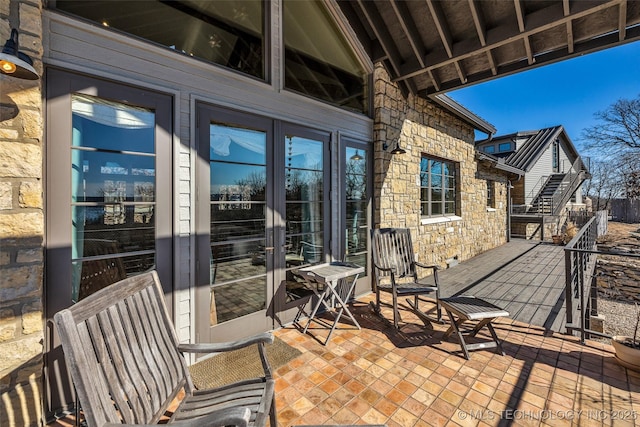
(21, 225)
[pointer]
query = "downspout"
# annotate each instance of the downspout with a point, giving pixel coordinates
(509, 204)
(509, 187)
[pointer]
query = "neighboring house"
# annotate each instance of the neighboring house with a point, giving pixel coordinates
(552, 180)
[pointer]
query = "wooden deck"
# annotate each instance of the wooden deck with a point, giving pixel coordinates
(524, 277)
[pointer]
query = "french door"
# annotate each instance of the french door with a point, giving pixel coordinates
(261, 212)
(109, 201)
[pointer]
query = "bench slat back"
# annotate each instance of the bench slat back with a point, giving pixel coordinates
(392, 248)
(120, 342)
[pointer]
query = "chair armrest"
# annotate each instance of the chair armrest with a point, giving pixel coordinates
(435, 267)
(265, 338)
(392, 270)
(238, 417)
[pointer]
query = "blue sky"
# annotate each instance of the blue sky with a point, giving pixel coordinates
(567, 93)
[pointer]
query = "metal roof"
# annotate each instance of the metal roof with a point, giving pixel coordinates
(530, 151)
(432, 46)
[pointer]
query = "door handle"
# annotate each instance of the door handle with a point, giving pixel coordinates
(269, 248)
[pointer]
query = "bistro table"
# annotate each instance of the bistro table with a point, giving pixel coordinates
(324, 280)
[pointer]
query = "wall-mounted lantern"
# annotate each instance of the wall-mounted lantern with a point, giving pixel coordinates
(15, 63)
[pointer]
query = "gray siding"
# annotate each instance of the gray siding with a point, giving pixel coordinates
(536, 176)
(77, 46)
(543, 168)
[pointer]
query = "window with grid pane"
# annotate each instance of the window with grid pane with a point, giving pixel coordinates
(437, 187)
(491, 194)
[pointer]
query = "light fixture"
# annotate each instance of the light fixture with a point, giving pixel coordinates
(397, 150)
(356, 156)
(15, 63)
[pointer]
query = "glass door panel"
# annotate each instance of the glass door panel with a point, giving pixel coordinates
(238, 221)
(305, 206)
(112, 193)
(356, 208)
(356, 199)
(304, 214)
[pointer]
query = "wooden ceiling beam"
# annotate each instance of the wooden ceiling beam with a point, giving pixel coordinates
(478, 20)
(566, 8)
(441, 25)
(481, 29)
(570, 40)
(461, 72)
(434, 79)
(492, 63)
(379, 28)
(520, 16)
(622, 21)
(537, 22)
(589, 46)
(410, 30)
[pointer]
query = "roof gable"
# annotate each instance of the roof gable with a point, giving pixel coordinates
(531, 145)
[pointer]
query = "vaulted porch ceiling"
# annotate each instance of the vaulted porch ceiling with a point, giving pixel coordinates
(432, 46)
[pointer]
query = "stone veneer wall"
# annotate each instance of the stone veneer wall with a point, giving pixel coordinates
(423, 127)
(21, 225)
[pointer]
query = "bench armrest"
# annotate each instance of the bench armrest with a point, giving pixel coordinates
(265, 338)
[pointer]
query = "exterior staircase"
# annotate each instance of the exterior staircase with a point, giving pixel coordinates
(557, 190)
(543, 203)
(546, 208)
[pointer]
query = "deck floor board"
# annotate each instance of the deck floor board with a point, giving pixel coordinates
(522, 276)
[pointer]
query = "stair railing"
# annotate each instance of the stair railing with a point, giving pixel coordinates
(542, 182)
(572, 179)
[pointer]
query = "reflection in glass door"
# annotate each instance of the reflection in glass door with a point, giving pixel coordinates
(238, 213)
(113, 193)
(304, 201)
(305, 206)
(261, 214)
(235, 224)
(356, 208)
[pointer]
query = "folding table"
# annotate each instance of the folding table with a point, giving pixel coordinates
(324, 280)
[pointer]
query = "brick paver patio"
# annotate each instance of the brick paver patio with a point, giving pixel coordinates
(412, 378)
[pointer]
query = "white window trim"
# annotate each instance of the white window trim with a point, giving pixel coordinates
(440, 219)
(491, 209)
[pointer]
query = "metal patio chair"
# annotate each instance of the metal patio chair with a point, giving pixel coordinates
(395, 271)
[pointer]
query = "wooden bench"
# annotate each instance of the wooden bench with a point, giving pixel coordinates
(127, 365)
(468, 308)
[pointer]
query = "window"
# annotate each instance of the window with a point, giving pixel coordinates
(437, 187)
(556, 156)
(227, 33)
(318, 60)
(489, 149)
(491, 194)
(505, 146)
